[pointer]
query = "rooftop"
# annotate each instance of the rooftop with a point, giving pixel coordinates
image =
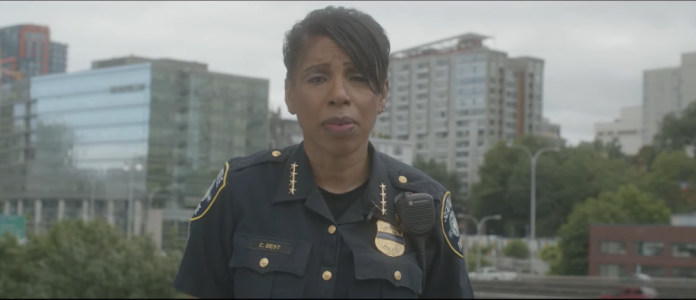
(131, 60)
(459, 42)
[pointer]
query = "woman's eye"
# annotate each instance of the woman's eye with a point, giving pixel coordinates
(358, 78)
(317, 79)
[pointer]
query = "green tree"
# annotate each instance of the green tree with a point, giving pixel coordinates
(643, 160)
(563, 179)
(627, 206)
(450, 181)
(552, 256)
(516, 249)
(75, 259)
(673, 179)
(678, 132)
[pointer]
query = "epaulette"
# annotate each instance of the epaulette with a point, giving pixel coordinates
(271, 155)
(408, 178)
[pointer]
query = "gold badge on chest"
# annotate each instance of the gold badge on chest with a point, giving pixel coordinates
(389, 239)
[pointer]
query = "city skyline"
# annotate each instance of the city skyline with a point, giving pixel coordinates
(594, 52)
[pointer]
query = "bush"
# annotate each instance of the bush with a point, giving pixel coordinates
(471, 261)
(516, 249)
(552, 256)
(75, 259)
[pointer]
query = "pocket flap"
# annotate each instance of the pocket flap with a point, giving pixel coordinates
(374, 265)
(269, 254)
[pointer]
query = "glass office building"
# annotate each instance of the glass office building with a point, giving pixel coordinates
(84, 145)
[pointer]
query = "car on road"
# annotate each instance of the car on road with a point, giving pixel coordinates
(632, 293)
(489, 273)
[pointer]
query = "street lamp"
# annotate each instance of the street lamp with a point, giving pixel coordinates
(479, 226)
(127, 168)
(532, 218)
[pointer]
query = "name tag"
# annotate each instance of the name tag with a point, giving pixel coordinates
(270, 245)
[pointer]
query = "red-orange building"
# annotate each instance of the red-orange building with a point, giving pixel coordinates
(28, 49)
(655, 250)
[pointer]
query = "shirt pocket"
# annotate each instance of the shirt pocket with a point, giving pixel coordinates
(268, 267)
(399, 277)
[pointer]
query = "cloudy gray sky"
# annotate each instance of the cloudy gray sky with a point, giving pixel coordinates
(595, 52)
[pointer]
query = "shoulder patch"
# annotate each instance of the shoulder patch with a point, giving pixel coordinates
(449, 225)
(212, 193)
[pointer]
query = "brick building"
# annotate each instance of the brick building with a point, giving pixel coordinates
(655, 250)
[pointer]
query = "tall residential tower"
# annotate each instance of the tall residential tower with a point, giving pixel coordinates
(455, 98)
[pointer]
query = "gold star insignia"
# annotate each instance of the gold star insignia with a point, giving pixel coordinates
(292, 178)
(384, 198)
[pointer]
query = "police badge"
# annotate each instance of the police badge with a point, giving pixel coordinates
(389, 239)
(212, 193)
(450, 228)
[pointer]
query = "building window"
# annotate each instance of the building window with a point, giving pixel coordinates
(397, 150)
(612, 247)
(649, 248)
(682, 272)
(611, 270)
(653, 271)
(684, 250)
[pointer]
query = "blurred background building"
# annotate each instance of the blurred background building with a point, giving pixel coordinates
(152, 131)
(27, 50)
(455, 98)
(283, 132)
(626, 130)
(552, 132)
(654, 250)
(667, 91)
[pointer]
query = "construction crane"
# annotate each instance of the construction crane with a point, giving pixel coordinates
(17, 76)
(10, 72)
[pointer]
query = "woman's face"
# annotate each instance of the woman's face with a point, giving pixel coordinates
(335, 106)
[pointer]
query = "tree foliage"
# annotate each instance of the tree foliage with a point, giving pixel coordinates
(673, 179)
(75, 259)
(563, 179)
(552, 256)
(450, 181)
(678, 132)
(627, 206)
(516, 249)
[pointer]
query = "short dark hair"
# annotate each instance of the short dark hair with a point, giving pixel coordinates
(360, 36)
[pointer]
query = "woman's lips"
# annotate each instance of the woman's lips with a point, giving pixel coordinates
(340, 128)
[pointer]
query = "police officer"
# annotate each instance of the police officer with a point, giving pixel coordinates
(321, 219)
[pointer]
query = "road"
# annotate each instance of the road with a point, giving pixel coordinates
(574, 287)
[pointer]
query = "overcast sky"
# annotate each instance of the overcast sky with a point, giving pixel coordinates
(594, 52)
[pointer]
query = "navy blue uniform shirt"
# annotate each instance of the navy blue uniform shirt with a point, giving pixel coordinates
(264, 230)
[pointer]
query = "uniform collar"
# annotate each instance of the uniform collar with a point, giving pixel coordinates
(305, 188)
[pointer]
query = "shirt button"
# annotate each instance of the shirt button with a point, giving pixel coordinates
(332, 229)
(264, 262)
(403, 179)
(397, 275)
(275, 153)
(326, 275)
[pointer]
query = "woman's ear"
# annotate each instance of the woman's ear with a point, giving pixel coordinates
(383, 102)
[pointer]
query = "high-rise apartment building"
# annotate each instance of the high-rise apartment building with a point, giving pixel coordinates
(455, 98)
(28, 50)
(667, 91)
(82, 144)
